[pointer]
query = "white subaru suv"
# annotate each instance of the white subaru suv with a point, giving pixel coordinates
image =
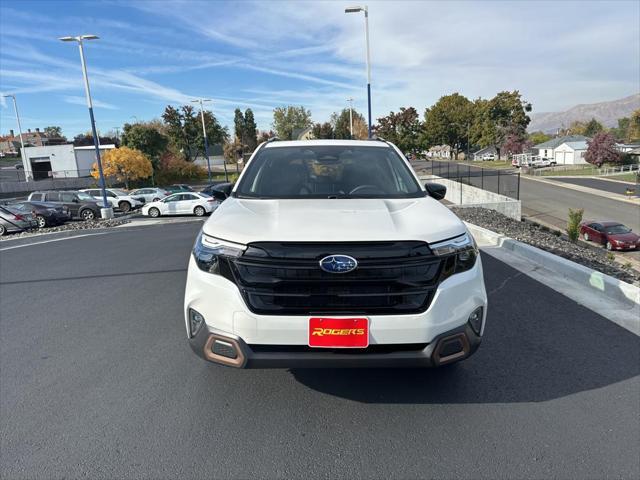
(330, 253)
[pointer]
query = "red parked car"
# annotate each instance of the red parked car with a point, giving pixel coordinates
(613, 235)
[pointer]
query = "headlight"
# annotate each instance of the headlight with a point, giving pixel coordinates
(460, 252)
(207, 252)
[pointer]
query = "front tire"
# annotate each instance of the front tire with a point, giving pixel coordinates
(585, 235)
(3, 230)
(88, 215)
(199, 211)
(154, 212)
(125, 207)
(42, 222)
(609, 246)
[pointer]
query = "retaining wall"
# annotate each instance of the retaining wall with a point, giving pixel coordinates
(469, 196)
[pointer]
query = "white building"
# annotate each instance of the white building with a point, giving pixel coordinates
(570, 153)
(547, 149)
(60, 161)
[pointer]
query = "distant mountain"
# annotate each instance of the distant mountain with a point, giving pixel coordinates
(606, 113)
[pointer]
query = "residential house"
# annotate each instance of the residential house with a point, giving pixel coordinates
(487, 153)
(302, 134)
(627, 147)
(10, 145)
(439, 151)
(570, 153)
(547, 149)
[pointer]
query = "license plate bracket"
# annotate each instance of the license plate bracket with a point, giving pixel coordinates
(343, 332)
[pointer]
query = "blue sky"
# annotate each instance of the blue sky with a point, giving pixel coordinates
(264, 54)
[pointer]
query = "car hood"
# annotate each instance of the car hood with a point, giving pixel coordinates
(625, 237)
(330, 220)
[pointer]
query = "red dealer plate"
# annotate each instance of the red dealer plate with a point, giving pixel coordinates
(339, 332)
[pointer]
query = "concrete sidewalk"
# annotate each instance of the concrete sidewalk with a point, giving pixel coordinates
(614, 299)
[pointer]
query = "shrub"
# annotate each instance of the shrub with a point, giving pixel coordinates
(174, 168)
(573, 225)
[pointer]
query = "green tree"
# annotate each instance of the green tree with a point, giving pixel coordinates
(287, 119)
(322, 130)
(576, 128)
(184, 129)
(341, 123)
(592, 127)
(238, 124)
(448, 122)
(145, 138)
(501, 117)
(620, 132)
(250, 131)
(402, 129)
(53, 132)
(633, 132)
(536, 138)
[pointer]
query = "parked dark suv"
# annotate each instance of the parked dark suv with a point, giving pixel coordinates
(81, 205)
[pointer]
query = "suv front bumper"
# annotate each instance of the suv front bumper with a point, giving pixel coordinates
(269, 341)
(446, 348)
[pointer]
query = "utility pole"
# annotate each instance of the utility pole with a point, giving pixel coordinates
(365, 9)
(106, 211)
(22, 152)
(350, 100)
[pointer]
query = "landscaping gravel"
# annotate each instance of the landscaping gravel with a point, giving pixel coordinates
(545, 239)
(78, 225)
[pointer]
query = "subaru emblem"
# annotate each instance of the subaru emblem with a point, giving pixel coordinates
(338, 264)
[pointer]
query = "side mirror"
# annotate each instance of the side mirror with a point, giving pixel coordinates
(227, 189)
(76, 200)
(436, 190)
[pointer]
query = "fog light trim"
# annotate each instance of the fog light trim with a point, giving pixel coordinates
(196, 321)
(475, 320)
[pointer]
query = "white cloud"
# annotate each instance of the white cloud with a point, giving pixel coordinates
(78, 100)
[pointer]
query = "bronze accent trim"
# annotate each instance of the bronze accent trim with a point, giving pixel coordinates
(214, 357)
(455, 356)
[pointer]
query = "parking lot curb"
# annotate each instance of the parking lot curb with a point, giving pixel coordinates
(614, 299)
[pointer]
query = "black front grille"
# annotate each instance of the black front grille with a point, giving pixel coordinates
(285, 278)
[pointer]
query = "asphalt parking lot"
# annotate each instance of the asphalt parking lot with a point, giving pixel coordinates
(98, 381)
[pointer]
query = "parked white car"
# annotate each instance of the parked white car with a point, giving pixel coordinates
(150, 194)
(184, 203)
(117, 198)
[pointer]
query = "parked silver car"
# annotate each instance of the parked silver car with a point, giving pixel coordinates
(150, 194)
(13, 221)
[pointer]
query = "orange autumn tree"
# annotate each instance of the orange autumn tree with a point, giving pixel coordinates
(124, 164)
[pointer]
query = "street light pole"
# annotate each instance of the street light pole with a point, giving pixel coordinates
(206, 141)
(106, 211)
(350, 100)
(365, 9)
(15, 107)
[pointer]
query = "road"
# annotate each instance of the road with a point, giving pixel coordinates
(98, 381)
(605, 185)
(551, 204)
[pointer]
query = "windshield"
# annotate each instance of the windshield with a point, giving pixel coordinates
(616, 229)
(328, 171)
(85, 196)
(118, 192)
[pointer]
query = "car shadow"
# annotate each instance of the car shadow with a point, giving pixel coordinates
(538, 345)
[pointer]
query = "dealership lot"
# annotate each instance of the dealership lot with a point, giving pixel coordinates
(98, 380)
